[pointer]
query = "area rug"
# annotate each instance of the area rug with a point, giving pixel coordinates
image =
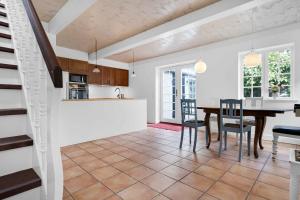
(166, 126)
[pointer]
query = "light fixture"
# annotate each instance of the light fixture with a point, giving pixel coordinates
(200, 67)
(133, 72)
(96, 69)
(252, 59)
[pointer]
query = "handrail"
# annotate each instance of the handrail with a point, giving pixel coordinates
(45, 46)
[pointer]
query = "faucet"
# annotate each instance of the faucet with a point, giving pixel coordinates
(119, 95)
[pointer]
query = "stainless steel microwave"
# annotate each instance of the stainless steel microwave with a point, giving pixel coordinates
(77, 78)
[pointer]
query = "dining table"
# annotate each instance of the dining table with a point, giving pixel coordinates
(260, 115)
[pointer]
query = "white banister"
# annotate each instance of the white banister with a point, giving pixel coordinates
(37, 87)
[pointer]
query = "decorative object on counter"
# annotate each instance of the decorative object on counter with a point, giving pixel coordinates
(200, 66)
(252, 59)
(133, 72)
(275, 91)
(96, 69)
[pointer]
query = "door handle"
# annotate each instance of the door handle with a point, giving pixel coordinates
(176, 92)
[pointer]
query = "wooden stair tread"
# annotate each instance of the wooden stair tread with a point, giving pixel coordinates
(13, 111)
(8, 66)
(10, 87)
(5, 24)
(2, 5)
(4, 35)
(18, 182)
(6, 49)
(15, 142)
(3, 14)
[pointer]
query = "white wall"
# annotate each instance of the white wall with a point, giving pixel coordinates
(221, 79)
(98, 91)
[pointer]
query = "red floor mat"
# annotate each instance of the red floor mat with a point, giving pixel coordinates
(166, 126)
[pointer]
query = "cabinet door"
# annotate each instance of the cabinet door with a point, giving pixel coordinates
(78, 67)
(63, 63)
(121, 77)
(93, 78)
(107, 76)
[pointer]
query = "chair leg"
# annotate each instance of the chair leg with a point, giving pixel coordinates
(275, 142)
(241, 147)
(225, 140)
(206, 135)
(249, 142)
(190, 129)
(195, 140)
(182, 134)
(220, 147)
(237, 139)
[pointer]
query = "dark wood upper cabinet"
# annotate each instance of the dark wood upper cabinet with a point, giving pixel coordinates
(122, 77)
(78, 67)
(107, 76)
(93, 78)
(63, 63)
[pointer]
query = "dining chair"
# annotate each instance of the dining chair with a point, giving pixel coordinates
(251, 102)
(230, 111)
(285, 131)
(189, 119)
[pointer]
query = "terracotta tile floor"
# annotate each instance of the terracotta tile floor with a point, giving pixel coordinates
(149, 165)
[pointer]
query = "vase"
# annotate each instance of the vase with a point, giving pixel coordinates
(275, 95)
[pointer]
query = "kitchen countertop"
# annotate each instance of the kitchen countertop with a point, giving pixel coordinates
(100, 99)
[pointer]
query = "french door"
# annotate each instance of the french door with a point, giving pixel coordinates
(178, 82)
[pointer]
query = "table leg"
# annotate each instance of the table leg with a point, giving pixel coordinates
(207, 124)
(262, 132)
(258, 132)
(219, 128)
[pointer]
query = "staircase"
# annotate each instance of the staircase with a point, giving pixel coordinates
(18, 179)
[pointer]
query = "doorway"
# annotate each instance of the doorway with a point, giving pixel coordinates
(177, 82)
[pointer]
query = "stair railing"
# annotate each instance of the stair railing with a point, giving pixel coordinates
(41, 77)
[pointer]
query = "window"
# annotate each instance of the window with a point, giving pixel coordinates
(188, 83)
(275, 74)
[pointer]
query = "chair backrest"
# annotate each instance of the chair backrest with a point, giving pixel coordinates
(231, 109)
(253, 102)
(297, 110)
(188, 109)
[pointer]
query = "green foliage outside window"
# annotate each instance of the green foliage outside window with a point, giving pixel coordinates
(279, 67)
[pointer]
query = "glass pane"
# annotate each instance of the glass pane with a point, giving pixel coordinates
(247, 81)
(257, 81)
(247, 92)
(169, 94)
(188, 84)
(257, 92)
(279, 64)
(285, 79)
(285, 91)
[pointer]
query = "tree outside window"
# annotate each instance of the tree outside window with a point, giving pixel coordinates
(275, 72)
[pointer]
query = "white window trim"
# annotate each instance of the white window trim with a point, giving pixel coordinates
(265, 71)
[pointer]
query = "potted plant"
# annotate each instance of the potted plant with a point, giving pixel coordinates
(275, 91)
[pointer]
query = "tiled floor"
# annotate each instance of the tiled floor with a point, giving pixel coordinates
(148, 165)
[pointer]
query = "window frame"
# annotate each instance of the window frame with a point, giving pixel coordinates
(265, 71)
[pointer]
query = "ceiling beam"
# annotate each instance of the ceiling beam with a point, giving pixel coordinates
(199, 17)
(68, 13)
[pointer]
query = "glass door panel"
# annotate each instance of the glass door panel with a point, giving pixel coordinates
(177, 83)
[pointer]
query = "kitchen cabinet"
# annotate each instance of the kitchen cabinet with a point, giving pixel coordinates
(93, 78)
(108, 75)
(63, 63)
(78, 67)
(121, 77)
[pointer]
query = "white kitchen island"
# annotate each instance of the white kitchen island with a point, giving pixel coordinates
(92, 119)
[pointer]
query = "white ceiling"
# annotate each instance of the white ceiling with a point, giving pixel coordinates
(274, 14)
